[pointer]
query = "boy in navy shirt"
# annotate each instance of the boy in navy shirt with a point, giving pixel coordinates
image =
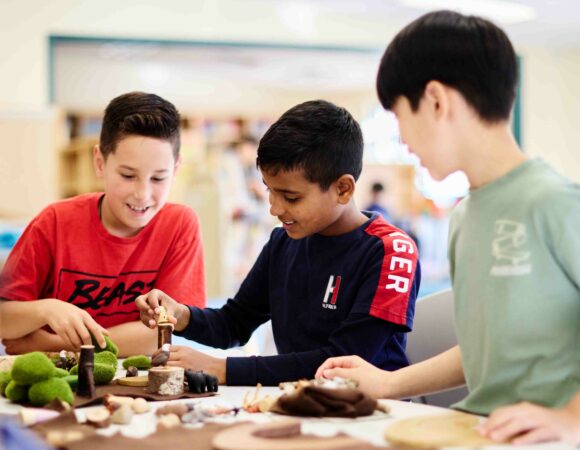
(333, 280)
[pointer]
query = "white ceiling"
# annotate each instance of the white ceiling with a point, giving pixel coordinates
(201, 75)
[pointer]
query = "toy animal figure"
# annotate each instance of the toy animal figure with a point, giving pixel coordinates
(198, 382)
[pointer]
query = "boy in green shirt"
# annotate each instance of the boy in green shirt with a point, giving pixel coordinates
(513, 243)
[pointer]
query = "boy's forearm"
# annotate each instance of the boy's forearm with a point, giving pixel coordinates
(442, 372)
(19, 318)
(134, 338)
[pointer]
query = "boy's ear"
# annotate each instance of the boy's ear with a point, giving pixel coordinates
(345, 186)
(177, 163)
(98, 161)
(437, 99)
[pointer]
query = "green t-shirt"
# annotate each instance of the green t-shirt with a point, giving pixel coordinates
(514, 250)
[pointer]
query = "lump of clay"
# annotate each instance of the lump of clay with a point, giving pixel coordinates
(44, 392)
(142, 362)
(32, 368)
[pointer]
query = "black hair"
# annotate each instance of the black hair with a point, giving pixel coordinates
(377, 187)
(319, 138)
(139, 114)
(467, 53)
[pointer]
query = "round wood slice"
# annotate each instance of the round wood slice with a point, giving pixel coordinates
(166, 380)
(442, 430)
(139, 381)
(255, 437)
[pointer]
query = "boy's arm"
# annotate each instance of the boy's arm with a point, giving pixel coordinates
(73, 325)
(132, 338)
(436, 374)
(359, 334)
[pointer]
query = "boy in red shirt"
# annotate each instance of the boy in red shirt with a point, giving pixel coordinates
(81, 262)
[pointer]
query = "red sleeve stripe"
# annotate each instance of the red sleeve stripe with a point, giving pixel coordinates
(391, 297)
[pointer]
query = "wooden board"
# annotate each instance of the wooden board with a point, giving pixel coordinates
(242, 437)
(442, 430)
(139, 381)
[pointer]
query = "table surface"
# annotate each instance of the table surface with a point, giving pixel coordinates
(368, 428)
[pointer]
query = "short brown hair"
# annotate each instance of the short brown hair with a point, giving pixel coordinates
(139, 114)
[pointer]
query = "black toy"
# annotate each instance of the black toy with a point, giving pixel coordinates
(199, 382)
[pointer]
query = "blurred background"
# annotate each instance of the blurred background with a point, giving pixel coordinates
(232, 67)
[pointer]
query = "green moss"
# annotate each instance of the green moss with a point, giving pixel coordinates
(32, 368)
(60, 373)
(104, 373)
(17, 392)
(106, 357)
(142, 362)
(44, 392)
(72, 381)
(110, 346)
(5, 378)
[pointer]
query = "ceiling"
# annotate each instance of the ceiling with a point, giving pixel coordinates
(201, 74)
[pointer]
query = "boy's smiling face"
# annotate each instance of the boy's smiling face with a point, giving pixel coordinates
(302, 207)
(137, 178)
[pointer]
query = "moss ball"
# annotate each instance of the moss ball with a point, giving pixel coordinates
(74, 370)
(60, 373)
(5, 378)
(17, 392)
(104, 373)
(32, 368)
(142, 362)
(110, 346)
(44, 392)
(72, 381)
(106, 357)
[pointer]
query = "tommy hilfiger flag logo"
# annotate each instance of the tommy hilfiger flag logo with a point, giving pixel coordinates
(331, 294)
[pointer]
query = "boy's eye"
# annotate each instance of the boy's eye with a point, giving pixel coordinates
(157, 180)
(291, 200)
(127, 177)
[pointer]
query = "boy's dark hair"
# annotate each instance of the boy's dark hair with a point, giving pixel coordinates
(467, 53)
(377, 187)
(319, 138)
(139, 114)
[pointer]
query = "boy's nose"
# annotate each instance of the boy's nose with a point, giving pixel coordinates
(142, 191)
(275, 208)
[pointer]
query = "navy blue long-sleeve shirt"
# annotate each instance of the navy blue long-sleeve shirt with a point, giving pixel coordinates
(352, 294)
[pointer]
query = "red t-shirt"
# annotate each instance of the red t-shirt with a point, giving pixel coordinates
(66, 253)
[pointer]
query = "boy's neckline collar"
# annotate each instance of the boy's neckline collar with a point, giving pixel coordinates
(504, 179)
(371, 216)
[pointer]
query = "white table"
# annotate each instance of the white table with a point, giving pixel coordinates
(368, 428)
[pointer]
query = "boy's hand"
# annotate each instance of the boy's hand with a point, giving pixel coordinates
(370, 378)
(149, 304)
(189, 358)
(71, 323)
(526, 423)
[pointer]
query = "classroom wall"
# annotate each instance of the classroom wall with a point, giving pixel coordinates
(551, 107)
(551, 78)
